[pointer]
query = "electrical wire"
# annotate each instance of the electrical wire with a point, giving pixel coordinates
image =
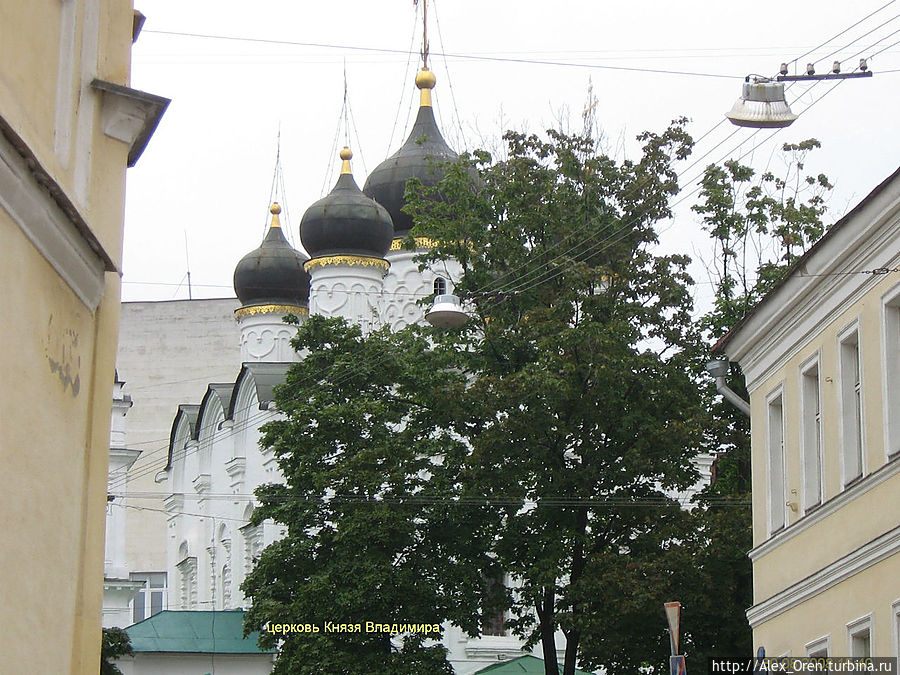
(611, 239)
(595, 247)
(685, 498)
(840, 49)
(405, 83)
(462, 135)
(467, 57)
(846, 30)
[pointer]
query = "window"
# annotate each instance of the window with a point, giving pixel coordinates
(892, 371)
(440, 286)
(253, 538)
(776, 471)
(225, 541)
(151, 599)
(811, 435)
(851, 407)
(859, 637)
(226, 586)
(187, 572)
(818, 648)
(494, 622)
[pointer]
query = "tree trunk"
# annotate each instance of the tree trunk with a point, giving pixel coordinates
(547, 616)
(573, 636)
(571, 652)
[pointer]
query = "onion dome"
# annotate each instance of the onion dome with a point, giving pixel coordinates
(346, 222)
(273, 274)
(416, 158)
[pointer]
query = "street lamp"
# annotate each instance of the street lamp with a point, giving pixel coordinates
(446, 312)
(762, 104)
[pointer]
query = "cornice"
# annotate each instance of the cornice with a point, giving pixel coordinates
(42, 210)
(254, 310)
(174, 503)
(350, 260)
(878, 549)
(828, 508)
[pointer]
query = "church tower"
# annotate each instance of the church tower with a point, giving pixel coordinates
(270, 282)
(347, 234)
(420, 157)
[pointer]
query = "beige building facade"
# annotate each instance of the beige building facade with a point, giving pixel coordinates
(821, 357)
(69, 126)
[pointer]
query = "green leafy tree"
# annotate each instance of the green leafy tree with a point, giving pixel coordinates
(116, 644)
(760, 225)
(372, 458)
(581, 360)
(544, 440)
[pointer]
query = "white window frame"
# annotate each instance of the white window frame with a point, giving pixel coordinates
(812, 456)
(443, 282)
(890, 323)
(863, 624)
(147, 593)
(776, 464)
(814, 648)
(852, 404)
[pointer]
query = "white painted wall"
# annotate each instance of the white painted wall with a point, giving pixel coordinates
(196, 664)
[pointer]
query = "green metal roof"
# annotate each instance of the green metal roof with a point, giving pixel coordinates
(194, 632)
(531, 665)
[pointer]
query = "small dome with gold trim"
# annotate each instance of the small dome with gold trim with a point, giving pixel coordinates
(417, 158)
(346, 222)
(273, 273)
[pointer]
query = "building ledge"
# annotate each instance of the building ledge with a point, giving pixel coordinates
(824, 510)
(866, 556)
(129, 115)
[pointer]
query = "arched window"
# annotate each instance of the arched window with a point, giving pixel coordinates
(226, 586)
(187, 573)
(440, 286)
(225, 541)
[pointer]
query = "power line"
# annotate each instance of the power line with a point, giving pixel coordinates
(846, 30)
(425, 500)
(468, 57)
(529, 283)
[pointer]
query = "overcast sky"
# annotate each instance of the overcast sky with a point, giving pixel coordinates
(207, 174)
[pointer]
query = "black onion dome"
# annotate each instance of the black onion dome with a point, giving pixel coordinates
(273, 274)
(418, 157)
(346, 221)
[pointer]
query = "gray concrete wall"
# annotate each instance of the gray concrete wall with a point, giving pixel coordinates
(168, 353)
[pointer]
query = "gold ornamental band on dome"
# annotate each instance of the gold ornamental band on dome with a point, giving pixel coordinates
(254, 310)
(421, 242)
(351, 260)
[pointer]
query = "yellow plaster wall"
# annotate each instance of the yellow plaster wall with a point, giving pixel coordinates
(859, 521)
(872, 591)
(29, 76)
(54, 433)
(29, 66)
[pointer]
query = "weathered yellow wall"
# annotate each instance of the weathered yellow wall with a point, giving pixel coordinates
(57, 364)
